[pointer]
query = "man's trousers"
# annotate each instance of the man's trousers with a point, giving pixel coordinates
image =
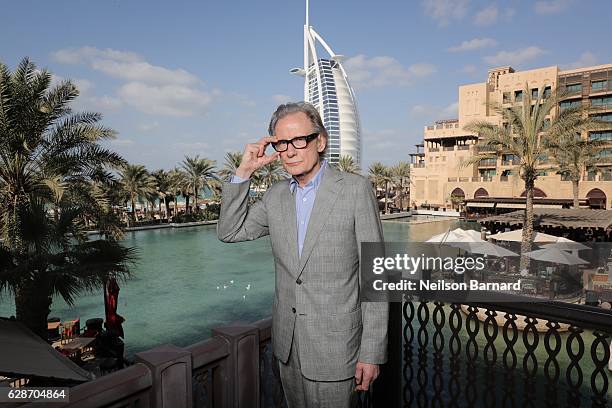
(301, 392)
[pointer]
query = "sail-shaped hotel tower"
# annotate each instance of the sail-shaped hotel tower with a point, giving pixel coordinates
(326, 86)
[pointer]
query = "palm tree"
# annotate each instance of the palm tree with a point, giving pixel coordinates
(347, 165)
(401, 177)
(136, 183)
(51, 159)
(200, 173)
(573, 156)
(162, 186)
(380, 176)
(231, 164)
(178, 180)
(528, 134)
(271, 173)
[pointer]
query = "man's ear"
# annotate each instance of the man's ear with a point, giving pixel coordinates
(321, 143)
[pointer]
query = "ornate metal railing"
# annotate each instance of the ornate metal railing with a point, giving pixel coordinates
(509, 354)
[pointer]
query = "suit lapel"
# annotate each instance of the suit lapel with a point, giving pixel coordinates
(290, 219)
(324, 202)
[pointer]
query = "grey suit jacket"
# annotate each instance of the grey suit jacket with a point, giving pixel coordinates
(319, 291)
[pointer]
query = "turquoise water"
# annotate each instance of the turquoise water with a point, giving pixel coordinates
(182, 285)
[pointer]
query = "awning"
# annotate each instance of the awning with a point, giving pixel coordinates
(24, 354)
(510, 205)
(481, 205)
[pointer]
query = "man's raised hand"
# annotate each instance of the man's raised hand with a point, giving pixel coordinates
(254, 157)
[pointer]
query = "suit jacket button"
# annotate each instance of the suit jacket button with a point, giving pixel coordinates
(298, 281)
(293, 309)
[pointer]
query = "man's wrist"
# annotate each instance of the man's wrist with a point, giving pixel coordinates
(245, 175)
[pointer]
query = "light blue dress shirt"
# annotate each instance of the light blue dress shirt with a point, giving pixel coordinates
(304, 201)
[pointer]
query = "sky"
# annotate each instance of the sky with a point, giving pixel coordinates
(203, 77)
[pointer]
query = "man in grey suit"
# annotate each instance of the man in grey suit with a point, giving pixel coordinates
(329, 344)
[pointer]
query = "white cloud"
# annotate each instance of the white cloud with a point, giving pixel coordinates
(551, 6)
(451, 111)
(443, 11)
(469, 69)
(383, 71)
(191, 148)
(124, 65)
(170, 100)
(474, 44)
(382, 139)
(147, 127)
(149, 88)
(144, 72)
(428, 112)
(585, 60)
(122, 142)
(517, 57)
(84, 55)
(105, 102)
(280, 99)
(486, 16)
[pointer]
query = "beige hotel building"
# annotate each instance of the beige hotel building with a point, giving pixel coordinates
(437, 170)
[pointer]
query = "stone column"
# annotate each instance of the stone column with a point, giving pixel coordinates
(171, 372)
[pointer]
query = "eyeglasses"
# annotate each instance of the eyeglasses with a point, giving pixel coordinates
(299, 142)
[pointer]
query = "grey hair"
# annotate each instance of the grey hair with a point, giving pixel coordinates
(294, 107)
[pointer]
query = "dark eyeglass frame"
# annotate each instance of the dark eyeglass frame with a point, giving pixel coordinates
(308, 139)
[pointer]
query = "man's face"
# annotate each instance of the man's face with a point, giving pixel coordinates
(299, 162)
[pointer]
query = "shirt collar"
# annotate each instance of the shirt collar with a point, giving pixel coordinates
(315, 182)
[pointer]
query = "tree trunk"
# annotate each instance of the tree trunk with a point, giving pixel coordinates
(575, 192)
(386, 201)
(187, 204)
(195, 199)
(32, 307)
(167, 205)
(401, 194)
(133, 210)
(526, 242)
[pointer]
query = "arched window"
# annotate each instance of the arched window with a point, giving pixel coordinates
(537, 193)
(481, 193)
(596, 199)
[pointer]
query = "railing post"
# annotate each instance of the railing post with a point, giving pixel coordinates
(387, 390)
(171, 374)
(243, 364)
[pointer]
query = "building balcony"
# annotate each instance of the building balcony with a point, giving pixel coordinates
(464, 179)
(434, 149)
(437, 355)
(418, 165)
(463, 147)
(452, 179)
(487, 163)
(448, 148)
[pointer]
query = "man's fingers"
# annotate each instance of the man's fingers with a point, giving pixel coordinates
(365, 383)
(270, 158)
(263, 143)
(358, 374)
